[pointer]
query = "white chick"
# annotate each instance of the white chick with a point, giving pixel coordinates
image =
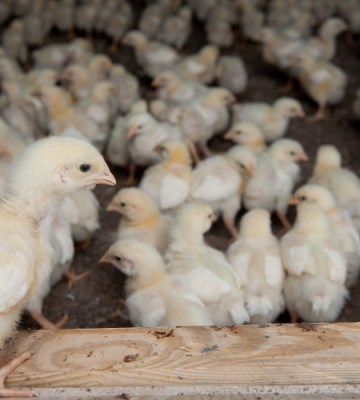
(342, 227)
(100, 67)
(175, 29)
(220, 180)
(46, 172)
(13, 41)
(118, 23)
(203, 269)
(86, 14)
(273, 120)
(168, 182)
(256, 259)
(219, 33)
(153, 297)
(199, 67)
(117, 146)
(342, 183)
(153, 56)
(127, 88)
(231, 74)
(34, 26)
(314, 287)
(76, 79)
(140, 218)
(144, 134)
(324, 82)
(251, 19)
(152, 17)
(65, 16)
(247, 134)
(276, 174)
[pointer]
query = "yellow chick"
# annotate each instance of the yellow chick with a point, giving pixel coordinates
(203, 269)
(342, 227)
(46, 172)
(273, 120)
(153, 297)
(153, 56)
(247, 134)
(342, 183)
(199, 67)
(140, 218)
(168, 182)
(314, 288)
(276, 174)
(324, 82)
(256, 259)
(220, 180)
(231, 74)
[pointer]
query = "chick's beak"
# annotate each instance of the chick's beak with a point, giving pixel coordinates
(112, 207)
(104, 259)
(303, 157)
(105, 178)
(294, 201)
(301, 114)
(230, 135)
(131, 131)
(251, 170)
(155, 83)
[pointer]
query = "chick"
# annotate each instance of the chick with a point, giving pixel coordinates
(46, 172)
(231, 74)
(219, 33)
(220, 180)
(199, 67)
(140, 218)
(153, 56)
(203, 269)
(85, 16)
(324, 82)
(342, 227)
(256, 259)
(127, 88)
(168, 182)
(251, 20)
(247, 134)
(152, 17)
(275, 177)
(65, 16)
(34, 26)
(175, 29)
(273, 120)
(13, 41)
(314, 287)
(118, 23)
(342, 183)
(153, 297)
(76, 79)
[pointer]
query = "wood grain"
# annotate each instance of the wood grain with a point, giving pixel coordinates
(252, 362)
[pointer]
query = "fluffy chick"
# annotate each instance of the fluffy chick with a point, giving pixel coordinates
(273, 120)
(231, 74)
(168, 182)
(314, 287)
(276, 174)
(203, 269)
(13, 41)
(47, 171)
(126, 86)
(341, 224)
(256, 259)
(342, 183)
(153, 297)
(220, 180)
(140, 218)
(247, 134)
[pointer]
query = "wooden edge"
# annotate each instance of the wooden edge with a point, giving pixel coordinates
(311, 361)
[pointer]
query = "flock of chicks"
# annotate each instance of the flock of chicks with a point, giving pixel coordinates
(173, 276)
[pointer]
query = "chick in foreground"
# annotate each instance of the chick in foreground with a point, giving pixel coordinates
(140, 218)
(247, 134)
(257, 261)
(342, 227)
(314, 288)
(276, 174)
(46, 172)
(203, 269)
(168, 182)
(342, 183)
(153, 297)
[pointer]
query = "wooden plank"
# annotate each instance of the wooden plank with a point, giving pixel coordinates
(247, 362)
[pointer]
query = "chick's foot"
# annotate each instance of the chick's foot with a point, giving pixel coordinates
(73, 278)
(45, 323)
(6, 370)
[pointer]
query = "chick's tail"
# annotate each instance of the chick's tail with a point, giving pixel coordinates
(257, 304)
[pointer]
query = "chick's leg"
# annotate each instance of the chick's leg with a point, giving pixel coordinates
(6, 370)
(231, 228)
(205, 149)
(319, 115)
(74, 278)
(131, 177)
(193, 151)
(283, 219)
(294, 316)
(45, 323)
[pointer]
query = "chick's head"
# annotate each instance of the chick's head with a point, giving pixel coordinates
(132, 256)
(333, 26)
(311, 220)
(246, 133)
(140, 124)
(100, 66)
(316, 194)
(57, 166)
(209, 53)
(328, 156)
(103, 91)
(289, 108)
(135, 39)
(174, 150)
(133, 204)
(166, 80)
(288, 150)
(255, 224)
(220, 97)
(244, 158)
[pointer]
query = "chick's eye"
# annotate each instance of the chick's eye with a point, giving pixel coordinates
(210, 216)
(122, 204)
(139, 126)
(303, 198)
(117, 258)
(85, 167)
(292, 153)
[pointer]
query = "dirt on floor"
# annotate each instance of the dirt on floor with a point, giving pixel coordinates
(97, 301)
